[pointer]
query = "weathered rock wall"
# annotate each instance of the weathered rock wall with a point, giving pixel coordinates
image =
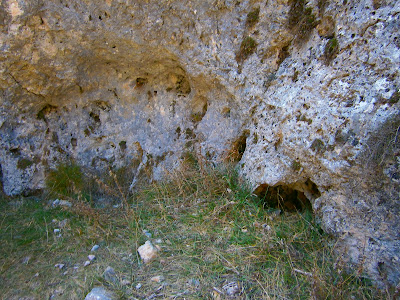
(305, 95)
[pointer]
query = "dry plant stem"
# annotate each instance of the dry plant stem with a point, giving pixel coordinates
(303, 272)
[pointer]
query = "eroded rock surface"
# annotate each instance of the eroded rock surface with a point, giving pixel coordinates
(301, 95)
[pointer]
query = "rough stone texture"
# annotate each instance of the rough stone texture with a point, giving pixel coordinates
(148, 252)
(100, 293)
(310, 103)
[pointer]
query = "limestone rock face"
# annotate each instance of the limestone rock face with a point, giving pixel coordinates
(302, 96)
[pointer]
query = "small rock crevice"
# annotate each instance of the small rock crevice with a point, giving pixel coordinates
(238, 147)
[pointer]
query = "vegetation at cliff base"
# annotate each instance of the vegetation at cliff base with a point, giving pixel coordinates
(217, 241)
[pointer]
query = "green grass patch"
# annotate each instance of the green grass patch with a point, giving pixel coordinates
(211, 230)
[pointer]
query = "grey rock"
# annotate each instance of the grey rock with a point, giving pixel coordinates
(125, 282)
(100, 293)
(95, 248)
(147, 234)
(194, 282)
(138, 286)
(110, 275)
(58, 202)
(91, 257)
(26, 260)
(231, 289)
(59, 266)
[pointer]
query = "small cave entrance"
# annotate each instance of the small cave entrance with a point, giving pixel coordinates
(291, 197)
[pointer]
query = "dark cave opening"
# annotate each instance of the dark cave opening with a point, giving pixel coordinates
(291, 197)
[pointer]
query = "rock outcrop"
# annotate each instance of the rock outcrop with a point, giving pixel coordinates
(302, 95)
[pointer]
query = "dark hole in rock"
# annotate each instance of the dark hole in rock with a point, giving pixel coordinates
(141, 81)
(24, 163)
(15, 151)
(122, 145)
(47, 109)
(95, 117)
(32, 193)
(238, 147)
(103, 105)
(226, 112)
(293, 197)
(74, 142)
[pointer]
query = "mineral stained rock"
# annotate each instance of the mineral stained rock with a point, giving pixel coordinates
(302, 95)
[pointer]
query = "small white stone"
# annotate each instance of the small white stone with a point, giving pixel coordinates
(86, 263)
(60, 266)
(147, 252)
(95, 248)
(26, 260)
(125, 282)
(92, 257)
(157, 279)
(147, 233)
(138, 286)
(231, 289)
(57, 230)
(266, 227)
(58, 202)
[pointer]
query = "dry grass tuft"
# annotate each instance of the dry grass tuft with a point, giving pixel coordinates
(212, 231)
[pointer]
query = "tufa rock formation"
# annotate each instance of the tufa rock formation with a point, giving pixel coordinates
(302, 95)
